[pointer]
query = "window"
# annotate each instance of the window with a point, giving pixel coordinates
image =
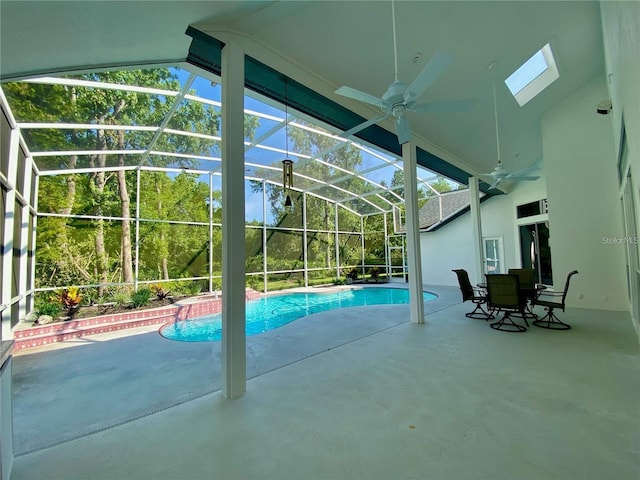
(531, 209)
(533, 76)
(493, 254)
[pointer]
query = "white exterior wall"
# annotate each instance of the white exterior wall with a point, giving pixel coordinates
(580, 182)
(621, 35)
(584, 206)
(452, 245)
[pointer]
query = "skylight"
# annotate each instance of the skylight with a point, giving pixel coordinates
(533, 76)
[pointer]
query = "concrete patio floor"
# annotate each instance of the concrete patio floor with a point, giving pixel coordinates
(357, 394)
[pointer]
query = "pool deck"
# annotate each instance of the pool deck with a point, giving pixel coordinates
(343, 395)
(96, 384)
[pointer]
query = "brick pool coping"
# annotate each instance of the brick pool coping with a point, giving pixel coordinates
(38, 336)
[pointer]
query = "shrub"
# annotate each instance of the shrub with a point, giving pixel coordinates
(353, 274)
(159, 290)
(51, 308)
(71, 298)
(90, 297)
(186, 287)
(374, 272)
(254, 282)
(120, 297)
(141, 297)
(193, 288)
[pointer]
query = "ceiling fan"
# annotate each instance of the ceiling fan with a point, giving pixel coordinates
(400, 98)
(500, 172)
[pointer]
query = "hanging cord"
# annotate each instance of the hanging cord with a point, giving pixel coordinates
(395, 43)
(495, 112)
(286, 116)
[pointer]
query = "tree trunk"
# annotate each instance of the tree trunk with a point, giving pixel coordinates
(327, 262)
(125, 203)
(71, 187)
(101, 253)
(73, 161)
(99, 179)
(163, 259)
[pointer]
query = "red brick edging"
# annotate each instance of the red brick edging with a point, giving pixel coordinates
(59, 332)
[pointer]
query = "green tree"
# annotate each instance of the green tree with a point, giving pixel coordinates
(105, 192)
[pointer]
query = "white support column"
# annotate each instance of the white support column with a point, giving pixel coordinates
(305, 240)
(264, 236)
(33, 246)
(211, 289)
(362, 244)
(387, 256)
(337, 237)
(7, 240)
(234, 374)
(416, 300)
(24, 238)
(136, 269)
(476, 225)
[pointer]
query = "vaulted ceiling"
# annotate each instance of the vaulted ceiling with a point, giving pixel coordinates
(326, 44)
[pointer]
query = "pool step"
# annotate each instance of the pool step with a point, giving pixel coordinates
(40, 335)
(69, 331)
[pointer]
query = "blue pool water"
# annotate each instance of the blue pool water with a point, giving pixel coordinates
(271, 312)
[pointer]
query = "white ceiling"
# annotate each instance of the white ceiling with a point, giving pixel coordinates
(327, 44)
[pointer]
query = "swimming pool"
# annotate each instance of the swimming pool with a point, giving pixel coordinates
(267, 313)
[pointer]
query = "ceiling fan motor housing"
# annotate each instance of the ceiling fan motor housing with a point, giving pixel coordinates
(395, 93)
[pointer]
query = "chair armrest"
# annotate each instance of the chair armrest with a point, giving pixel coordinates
(480, 292)
(548, 294)
(551, 293)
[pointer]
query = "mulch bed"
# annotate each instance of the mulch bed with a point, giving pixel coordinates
(88, 311)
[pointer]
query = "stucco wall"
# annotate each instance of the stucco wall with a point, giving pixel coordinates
(451, 246)
(584, 209)
(621, 35)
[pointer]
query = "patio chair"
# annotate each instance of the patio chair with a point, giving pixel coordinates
(546, 299)
(503, 295)
(476, 295)
(527, 277)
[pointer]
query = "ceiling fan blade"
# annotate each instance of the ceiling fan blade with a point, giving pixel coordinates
(358, 95)
(362, 126)
(495, 184)
(445, 106)
(518, 177)
(432, 70)
(524, 171)
(402, 129)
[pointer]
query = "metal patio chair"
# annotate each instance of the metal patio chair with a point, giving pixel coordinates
(527, 277)
(546, 300)
(476, 295)
(503, 294)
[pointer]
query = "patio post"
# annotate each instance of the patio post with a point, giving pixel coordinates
(234, 374)
(476, 225)
(416, 301)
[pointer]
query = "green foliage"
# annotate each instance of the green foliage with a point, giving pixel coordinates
(442, 185)
(91, 297)
(159, 291)
(187, 287)
(374, 273)
(353, 274)
(67, 252)
(120, 296)
(195, 287)
(70, 298)
(50, 307)
(255, 282)
(141, 297)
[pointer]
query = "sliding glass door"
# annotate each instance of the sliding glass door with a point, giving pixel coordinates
(535, 251)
